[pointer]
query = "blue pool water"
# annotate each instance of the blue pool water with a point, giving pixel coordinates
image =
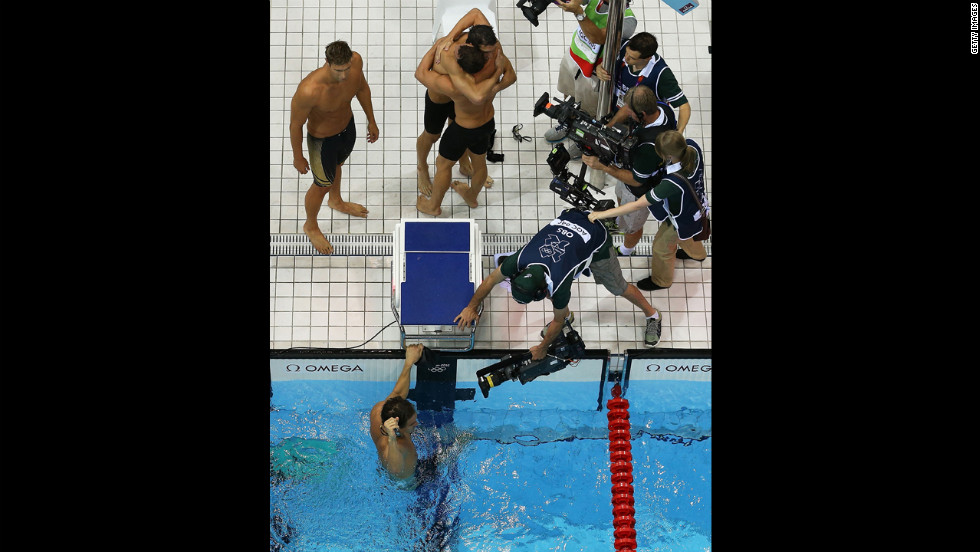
(526, 469)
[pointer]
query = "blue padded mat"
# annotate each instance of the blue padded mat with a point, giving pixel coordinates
(437, 286)
(437, 236)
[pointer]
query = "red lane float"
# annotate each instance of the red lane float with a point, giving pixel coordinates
(621, 466)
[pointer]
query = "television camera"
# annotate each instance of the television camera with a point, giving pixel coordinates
(565, 349)
(610, 144)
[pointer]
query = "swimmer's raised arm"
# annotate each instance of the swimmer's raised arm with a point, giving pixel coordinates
(412, 354)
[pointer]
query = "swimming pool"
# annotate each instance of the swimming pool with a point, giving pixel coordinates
(525, 469)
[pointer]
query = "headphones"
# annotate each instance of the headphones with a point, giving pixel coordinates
(639, 114)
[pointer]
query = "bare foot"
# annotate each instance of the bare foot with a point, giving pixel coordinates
(489, 182)
(353, 209)
(467, 170)
(423, 209)
(317, 238)
(462, 190)
(425, 183)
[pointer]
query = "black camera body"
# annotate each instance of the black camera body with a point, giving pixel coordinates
(536, 8)
(612, 145)
(573, 188)
(609, 144)
(565, 349)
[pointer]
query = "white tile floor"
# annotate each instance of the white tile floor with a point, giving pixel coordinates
(344, 300)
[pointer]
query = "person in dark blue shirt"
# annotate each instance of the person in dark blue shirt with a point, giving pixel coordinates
(545, 267)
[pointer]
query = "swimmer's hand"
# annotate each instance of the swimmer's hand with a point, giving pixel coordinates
(444, 44)
(301, 164)
(390, 428)
(372, 133)
(413, 353)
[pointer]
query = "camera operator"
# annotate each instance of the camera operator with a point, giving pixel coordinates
(672, 204)
(546, 266)
(639, 104)
(638, 63)
(576, 75)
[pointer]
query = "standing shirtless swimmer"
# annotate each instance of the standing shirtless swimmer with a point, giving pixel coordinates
(323, 102)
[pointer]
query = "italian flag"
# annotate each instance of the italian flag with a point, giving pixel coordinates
(585, 58)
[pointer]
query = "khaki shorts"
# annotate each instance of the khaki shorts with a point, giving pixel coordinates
(608, 273)
(585, 89)
(630, 222)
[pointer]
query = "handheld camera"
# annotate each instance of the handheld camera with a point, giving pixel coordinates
(536, 8)
(565, 349)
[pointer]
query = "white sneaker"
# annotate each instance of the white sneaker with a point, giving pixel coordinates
(497, 259)
(570, 319)
(556, 134)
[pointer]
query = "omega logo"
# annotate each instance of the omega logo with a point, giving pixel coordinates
(682, 368)
(324, 368)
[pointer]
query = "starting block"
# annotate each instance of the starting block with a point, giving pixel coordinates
(436, 266)
(449, 12)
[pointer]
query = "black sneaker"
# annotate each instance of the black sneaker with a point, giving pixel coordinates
(647, 284)
(682, 255)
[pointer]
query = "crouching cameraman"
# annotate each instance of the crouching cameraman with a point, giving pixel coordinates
(546, 266)
(653, 118)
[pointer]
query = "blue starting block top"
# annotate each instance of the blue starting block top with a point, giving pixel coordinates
(437, 282)
(437, 236)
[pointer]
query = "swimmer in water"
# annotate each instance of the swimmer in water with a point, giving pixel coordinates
(393, 420)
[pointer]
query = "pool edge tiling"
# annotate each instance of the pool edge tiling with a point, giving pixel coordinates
(344, 300)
